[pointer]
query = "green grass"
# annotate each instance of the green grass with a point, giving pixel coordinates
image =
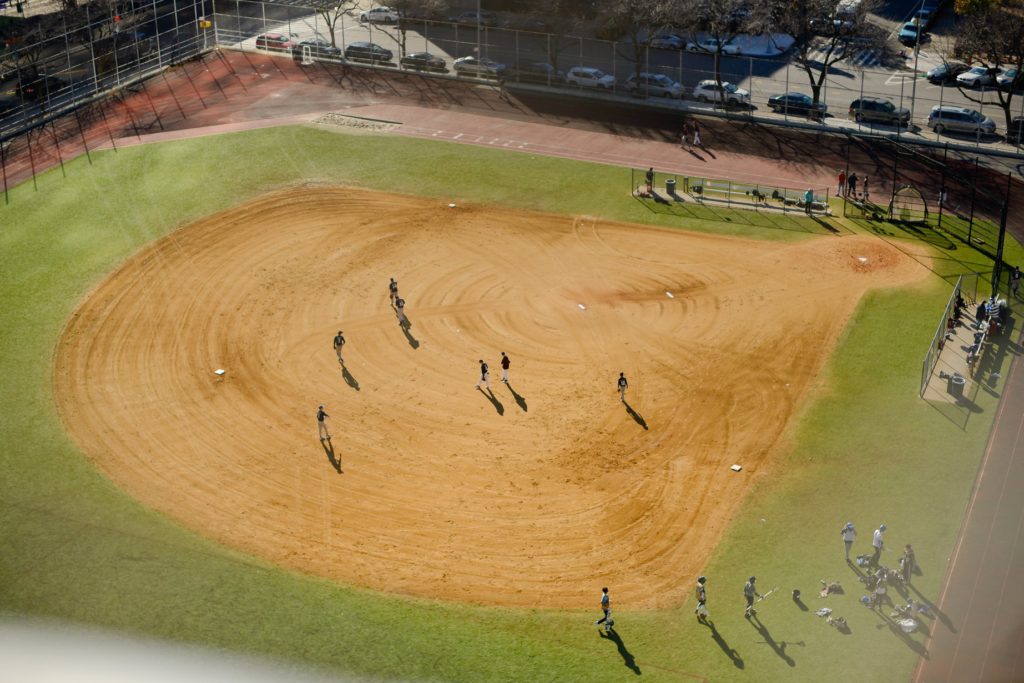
(74, 547)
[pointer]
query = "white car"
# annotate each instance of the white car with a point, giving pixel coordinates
(588, 77)
(667, 41)
(711, 45)
(379, 15)
(977, 76)
(728, 93)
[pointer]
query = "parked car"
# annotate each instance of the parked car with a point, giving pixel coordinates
(1008, 80)
(275, 41)
(728, 93)
(484, 18)
(946, 72)
(923, 17)
(911, 33)
(480, 67)
(319, 47)
(797, 104)
(654, 85)
(423, 61)
(379, 15)
(363, 51)
(711, 45)
(588, 77)
(827, 26)
(667, 41)
(978, 76)
(960, 120)
(877, 110)
(536, 72)
(1015, 133)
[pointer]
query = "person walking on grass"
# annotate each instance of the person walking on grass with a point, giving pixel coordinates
(702, 600)
(485, 375)
(339, 341)
(877, 542)
(606, 608)
(321, 423)
(505, 362)
(623, 385)
(849, 534)
(750, 592)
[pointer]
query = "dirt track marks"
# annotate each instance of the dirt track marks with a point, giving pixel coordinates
(526, 498)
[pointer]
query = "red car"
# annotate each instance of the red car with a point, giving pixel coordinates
(275, 41)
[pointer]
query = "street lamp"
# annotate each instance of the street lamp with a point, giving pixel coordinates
(917, 54)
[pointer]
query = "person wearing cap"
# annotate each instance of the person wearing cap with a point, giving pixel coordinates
(750, 592)
(877, 543)
(321, 423)
(702, 600)
(339, 341)
(848, 533)
(907, 563)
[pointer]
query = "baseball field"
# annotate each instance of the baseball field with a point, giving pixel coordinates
(448, 533)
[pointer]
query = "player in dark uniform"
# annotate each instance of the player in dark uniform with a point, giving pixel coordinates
(622, 384)
(322, 424)
(485, 376)
(702, 600)
(400, 307)
(393, 290)
(339, 341)
(505, 362)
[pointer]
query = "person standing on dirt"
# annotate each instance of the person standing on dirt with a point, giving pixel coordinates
(623, 385)
(339, 341)
(696, 135)
(702, 600)
(849, 534)
(606, 607)
(684, 137)
(485, 375)
(393, 291)
(865, 185)
(841, 182)
(400, 309)
(505, 362)
(851, 185)
(750, 592)
(321, 423)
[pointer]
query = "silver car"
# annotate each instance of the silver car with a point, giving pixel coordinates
(960, 120)
(654, 85)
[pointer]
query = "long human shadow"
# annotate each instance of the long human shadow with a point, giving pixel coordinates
(349, 378)
(637, 417)
(778, 647)
(933, 608)
(489, 395)
(730, 652)
(627, 656)
(520, 401)
(329, 451)
(413, 342)
(905, 637)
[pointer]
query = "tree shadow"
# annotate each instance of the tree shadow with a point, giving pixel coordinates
(637, 417)
(489, 395)
(413, 342)
(349, 378)
(779, 647)
(730, 652)
(329, 452)
(520, 401)
(627, 656)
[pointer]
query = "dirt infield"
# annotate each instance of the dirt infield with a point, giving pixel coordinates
(529, 497)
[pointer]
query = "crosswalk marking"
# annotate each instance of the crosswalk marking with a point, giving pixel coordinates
(867, 57)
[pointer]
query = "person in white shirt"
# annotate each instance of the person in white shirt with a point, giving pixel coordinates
(877, 543)
(848, 533)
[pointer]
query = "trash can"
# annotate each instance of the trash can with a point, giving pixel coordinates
(670, 186)
(956, 385)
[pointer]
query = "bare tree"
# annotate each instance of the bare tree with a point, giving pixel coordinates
(637, 21)
(332, 11)
(411, 14)
(564, 21)
(720, 21)
(994, 38)
(825, 33)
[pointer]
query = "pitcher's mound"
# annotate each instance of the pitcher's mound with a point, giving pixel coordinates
(532, 494)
